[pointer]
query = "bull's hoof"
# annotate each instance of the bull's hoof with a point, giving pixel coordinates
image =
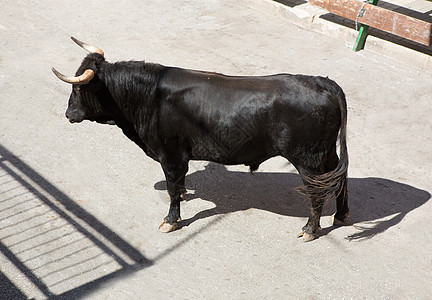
(166, 227)
(336, 222)
(307, 237)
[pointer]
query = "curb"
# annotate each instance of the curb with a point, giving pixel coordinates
(309, 17)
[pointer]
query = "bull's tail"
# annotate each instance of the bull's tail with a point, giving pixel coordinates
(331, 184)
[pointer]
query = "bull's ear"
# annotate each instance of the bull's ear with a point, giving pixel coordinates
(82, 79)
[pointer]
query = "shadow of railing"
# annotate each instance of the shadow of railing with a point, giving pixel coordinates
(291, 3)
(59, 249)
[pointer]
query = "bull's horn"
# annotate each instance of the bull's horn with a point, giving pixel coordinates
(89, 48)
(82, 79)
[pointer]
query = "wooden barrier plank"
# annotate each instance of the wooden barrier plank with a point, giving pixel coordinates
(380, 18)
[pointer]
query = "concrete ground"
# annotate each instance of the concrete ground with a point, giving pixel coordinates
(80, 204)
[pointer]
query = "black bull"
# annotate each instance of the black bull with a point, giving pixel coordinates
(176, 115)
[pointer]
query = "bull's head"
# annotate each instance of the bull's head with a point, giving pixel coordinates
(84, 101)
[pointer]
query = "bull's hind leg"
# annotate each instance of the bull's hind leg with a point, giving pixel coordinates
(175, 178)
(318, 164)
(342, 210)
(309, 231)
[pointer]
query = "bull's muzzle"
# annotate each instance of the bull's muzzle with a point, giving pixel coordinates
(74, 115)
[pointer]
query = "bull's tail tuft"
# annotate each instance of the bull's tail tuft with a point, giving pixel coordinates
(330, 185)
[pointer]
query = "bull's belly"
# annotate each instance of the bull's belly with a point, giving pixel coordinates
(232, 151)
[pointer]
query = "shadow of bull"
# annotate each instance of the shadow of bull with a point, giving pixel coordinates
(376, 204)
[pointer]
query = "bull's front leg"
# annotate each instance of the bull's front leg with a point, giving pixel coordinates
(175, 179)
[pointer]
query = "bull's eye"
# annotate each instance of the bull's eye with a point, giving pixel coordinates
(76, 89)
